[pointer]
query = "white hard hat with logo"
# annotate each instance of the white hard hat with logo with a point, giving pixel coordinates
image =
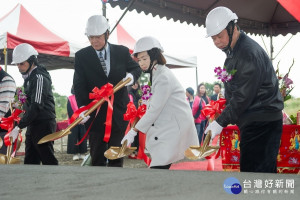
(22, 52)
(147, 43)
(96, 25)
(217, 20)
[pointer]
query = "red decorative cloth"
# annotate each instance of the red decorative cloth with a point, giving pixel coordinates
(288, 159)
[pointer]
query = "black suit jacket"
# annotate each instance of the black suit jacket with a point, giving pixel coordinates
(89, 74)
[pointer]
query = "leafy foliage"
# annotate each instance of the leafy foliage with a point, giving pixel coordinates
(60, 106)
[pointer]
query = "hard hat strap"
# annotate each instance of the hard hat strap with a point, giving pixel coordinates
(230, 30)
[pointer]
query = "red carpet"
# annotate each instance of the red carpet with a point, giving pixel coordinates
(197, 165)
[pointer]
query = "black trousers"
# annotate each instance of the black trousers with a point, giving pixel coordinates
(76, 135)
(36, 153)
(98, 146)
(259, 146)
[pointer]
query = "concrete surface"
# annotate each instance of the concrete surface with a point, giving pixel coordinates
(29, 182)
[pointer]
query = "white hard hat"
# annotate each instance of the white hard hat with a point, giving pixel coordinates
(145, 44)
(217, 20)
(22, 52)
(96, 25)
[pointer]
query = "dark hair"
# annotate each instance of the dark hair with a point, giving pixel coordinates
(204, 97)
(218, 85)
(155, 54)
(190, 91)
(32, 59)
(198, 89)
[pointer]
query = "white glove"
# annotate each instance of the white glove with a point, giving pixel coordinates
(14, 133)
(128, 75)
(215, 128)
(84, 118)
(129, 137)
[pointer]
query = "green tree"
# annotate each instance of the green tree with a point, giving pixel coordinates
(60, 106)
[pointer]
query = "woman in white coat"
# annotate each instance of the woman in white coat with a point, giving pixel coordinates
(168, 122)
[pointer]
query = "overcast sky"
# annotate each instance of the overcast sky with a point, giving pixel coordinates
(67, 18)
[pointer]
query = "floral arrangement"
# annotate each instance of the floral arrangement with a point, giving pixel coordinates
(20, 98)
(285, 83)
(223, 74)
(146, 93)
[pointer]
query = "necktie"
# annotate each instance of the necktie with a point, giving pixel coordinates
(102, 63)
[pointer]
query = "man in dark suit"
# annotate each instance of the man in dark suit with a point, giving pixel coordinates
(217, 90)
(95, 66)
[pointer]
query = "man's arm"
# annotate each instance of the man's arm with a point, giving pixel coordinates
(79, 84)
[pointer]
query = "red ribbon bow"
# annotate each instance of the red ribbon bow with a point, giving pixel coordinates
(97, 94)
(131, 112)
(105, 91)
(131, 115)
(213, 108)
(8, 124)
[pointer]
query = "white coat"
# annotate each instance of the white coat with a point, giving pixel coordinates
(168, 122)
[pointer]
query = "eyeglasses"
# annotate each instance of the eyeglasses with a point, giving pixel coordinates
(22, 63)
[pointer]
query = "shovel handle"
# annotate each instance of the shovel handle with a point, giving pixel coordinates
(120, 85)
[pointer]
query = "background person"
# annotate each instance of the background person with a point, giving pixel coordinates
(201, 99)
(133, 92)
(168, 122)
(95, 66)
(39, 116)
(217, 91)
(77, 132)
(190, 96)
(7, 93)
(253, 99)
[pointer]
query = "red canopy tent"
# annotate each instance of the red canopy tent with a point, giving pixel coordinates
(19, 26)
(292, 6)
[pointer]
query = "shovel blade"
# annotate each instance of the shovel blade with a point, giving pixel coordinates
(3, 159)
(54, 136)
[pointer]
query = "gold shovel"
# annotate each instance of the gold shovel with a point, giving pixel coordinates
(7, 159)
(118, 152)
(1, 142)
(198, 152)
(67, 131)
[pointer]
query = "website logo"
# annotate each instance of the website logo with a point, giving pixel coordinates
(232, 186)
